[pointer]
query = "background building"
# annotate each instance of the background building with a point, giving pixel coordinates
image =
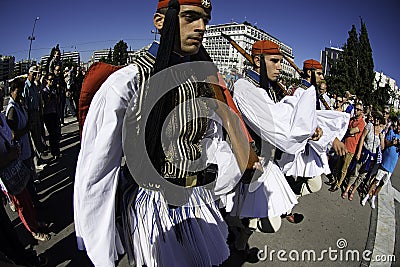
(73, 57)
(98, 54)
(328, 56)
(104, 53)
(132, 54)
(382, 80)
(6, 67)
(228, 60)
(22, 67)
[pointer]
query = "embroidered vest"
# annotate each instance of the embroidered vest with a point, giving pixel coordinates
(182, 131)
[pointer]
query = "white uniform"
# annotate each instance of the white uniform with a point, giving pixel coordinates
(203, 233)
(314, 162)
(286, 125)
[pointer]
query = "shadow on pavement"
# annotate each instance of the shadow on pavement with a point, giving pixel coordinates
(56, 187)
(65, 253)
(55, 191)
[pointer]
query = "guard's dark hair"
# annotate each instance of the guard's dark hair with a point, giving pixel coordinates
(304, 74)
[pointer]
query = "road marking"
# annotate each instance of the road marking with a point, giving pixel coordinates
(396, 194)
(386, 225)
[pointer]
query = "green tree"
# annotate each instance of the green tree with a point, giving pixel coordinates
(381, 95)
(103, 59)
(354, 70)
(366, 67)
(336, 79)
(109, 56)
(107, 59)
(120, 54)
(350, 61)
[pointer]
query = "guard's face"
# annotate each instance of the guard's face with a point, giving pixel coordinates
(319, 76)
(192, 24)
(273, 65)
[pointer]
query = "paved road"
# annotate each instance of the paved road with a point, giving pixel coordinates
(336, 230)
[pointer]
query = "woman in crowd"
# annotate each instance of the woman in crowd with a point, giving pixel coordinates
(17, 120)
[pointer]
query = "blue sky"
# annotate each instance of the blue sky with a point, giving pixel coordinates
(307, 26)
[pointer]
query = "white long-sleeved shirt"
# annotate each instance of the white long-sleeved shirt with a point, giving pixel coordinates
(287, 124)
(99, 163)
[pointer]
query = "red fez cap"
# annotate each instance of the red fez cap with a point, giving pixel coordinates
(265, 47)
(201, 3)
(312, 64)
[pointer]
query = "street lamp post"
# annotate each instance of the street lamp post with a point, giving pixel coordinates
(31, 38)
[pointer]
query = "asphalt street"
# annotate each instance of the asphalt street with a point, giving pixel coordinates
(334, 232)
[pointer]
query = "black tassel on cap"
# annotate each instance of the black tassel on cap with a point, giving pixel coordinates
(263, 73)
(167, 39)
(314, 82)
(164, 105)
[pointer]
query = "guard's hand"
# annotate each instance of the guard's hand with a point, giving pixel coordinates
(259, 164)
(339, 147)
(317, 134)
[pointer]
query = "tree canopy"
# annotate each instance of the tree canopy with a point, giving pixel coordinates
(120, 54)
(354, 70)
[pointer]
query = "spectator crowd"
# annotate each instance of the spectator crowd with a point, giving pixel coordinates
(31, 132)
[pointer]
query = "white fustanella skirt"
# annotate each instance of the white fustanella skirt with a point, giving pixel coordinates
(190, 235)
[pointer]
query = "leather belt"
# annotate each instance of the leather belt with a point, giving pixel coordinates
(198, 179)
